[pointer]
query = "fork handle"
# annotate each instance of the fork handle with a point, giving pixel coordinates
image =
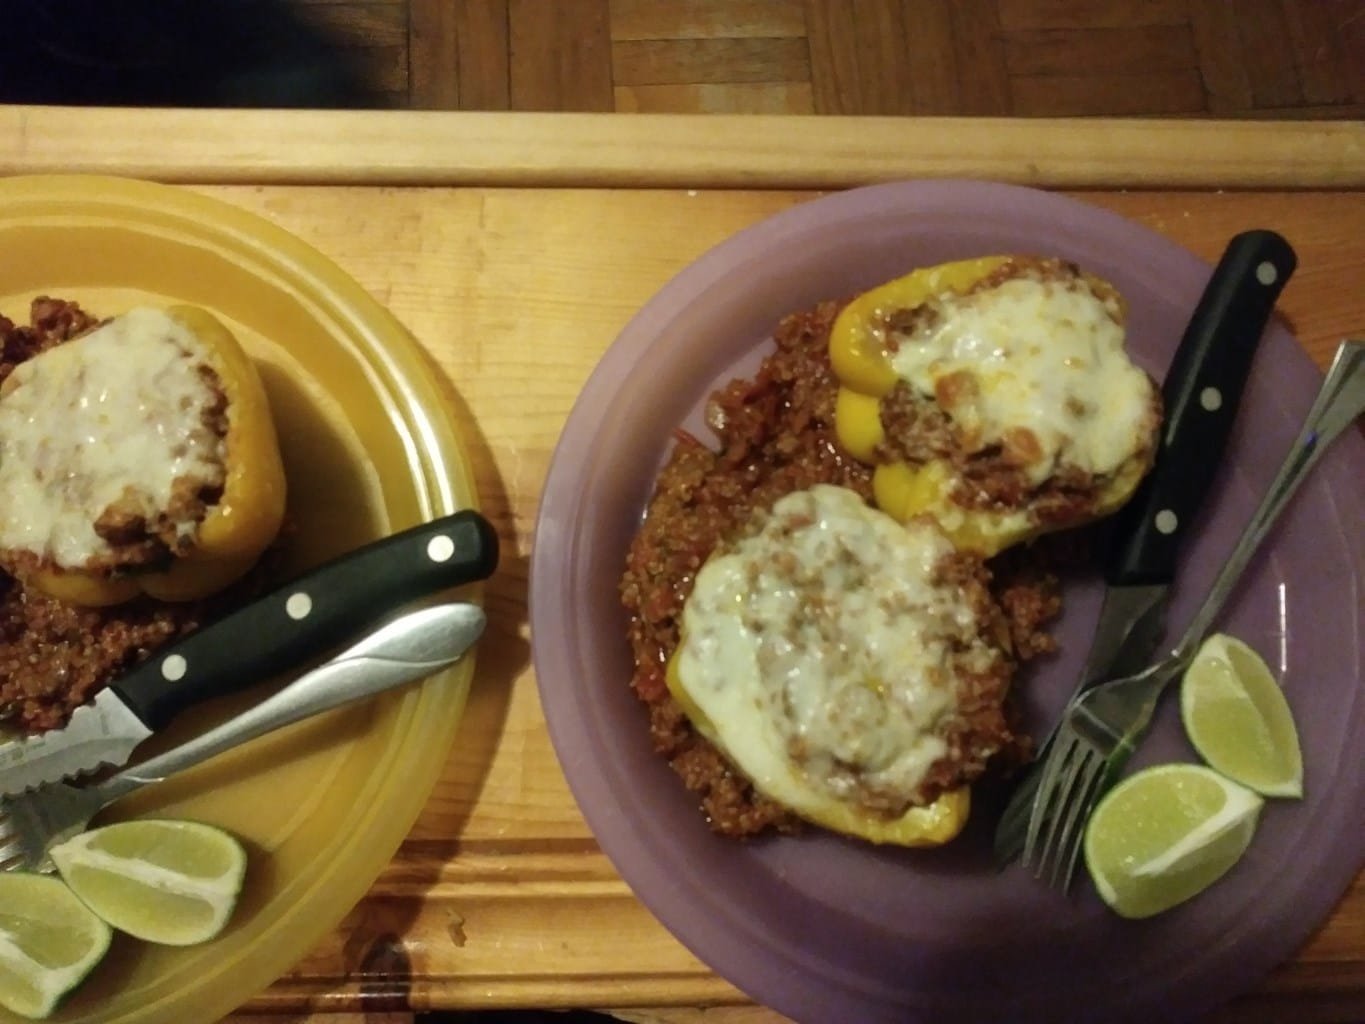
(1339, 403)
(411, 647)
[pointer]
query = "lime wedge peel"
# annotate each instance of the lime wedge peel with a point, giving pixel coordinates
(170, 882)
(1237, 718)
(1165, 834)
(49, 942)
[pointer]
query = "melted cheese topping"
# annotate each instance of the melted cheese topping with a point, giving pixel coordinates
(113, 416)
(818, 651)
(1040, 356)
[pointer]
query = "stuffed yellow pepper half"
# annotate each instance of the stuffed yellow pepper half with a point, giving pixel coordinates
(853, 668)
(996, 395)
(138, 458)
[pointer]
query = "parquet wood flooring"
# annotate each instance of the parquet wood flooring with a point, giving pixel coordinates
(1227, 58)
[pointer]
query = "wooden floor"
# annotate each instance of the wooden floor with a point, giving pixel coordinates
(1231, 58)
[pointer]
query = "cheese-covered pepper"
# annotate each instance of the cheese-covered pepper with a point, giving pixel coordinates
(848, 666)
(1011, 404)
(931, 824)
(115, 438)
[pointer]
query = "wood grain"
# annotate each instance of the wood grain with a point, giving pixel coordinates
(709, 61)
(722, 98)
(1224, 69)
(1301, 58)
(931, 57)
(482, 40)
(459, 55)
(499, 897)
(559, 55)
(1105, 95)
(1266, 47)
(1319, 56)
(857, 62)
(434, 80)
(362, 22)
(1101, 51)
(374, 34)
(707, 19)
(982, 81)
(701, 151)
(1091, 14)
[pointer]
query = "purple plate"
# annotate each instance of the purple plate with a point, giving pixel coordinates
(822, 928)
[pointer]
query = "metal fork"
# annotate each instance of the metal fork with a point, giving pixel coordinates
(1101, 728)
(410, 647)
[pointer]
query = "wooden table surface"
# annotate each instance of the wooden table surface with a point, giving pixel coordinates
(515, 266)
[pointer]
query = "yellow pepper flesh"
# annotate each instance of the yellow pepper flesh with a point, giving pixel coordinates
(246, 518)
(857, 348)
(860, 359)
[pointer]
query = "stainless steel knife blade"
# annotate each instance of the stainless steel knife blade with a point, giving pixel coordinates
(104, 732)
(1201, 394)
(277, 633)
(1130, 625)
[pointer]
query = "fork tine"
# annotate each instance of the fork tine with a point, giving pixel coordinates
(1063, 805)
(1045, 802)
(1068, 843)
(1077, 841)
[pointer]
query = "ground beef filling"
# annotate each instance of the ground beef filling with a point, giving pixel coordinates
(54, 657)
(992, 477)
(776, 435)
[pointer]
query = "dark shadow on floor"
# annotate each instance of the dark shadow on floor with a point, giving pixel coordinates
(177, 53)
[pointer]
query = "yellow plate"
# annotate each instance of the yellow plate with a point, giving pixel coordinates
(369, 448)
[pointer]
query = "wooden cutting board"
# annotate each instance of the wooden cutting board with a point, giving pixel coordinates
(514, 248)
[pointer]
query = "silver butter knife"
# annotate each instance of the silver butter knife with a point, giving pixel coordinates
(409, 648)
(274, 634)
(1201, 394)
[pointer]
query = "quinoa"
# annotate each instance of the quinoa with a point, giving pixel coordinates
(775, 435)
(51, 322)
(54, 657)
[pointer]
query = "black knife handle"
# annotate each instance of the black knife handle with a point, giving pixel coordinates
(311, 614)
(1202, 391)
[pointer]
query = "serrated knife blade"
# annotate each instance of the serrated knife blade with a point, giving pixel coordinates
(105, 732)
(277, 633)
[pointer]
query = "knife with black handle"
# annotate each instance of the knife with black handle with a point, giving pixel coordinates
(273, 634)
(1200, 396)
(412, 646)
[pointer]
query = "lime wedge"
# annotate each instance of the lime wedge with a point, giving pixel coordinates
(1166, 834)
(49, 941)
(1238, 719)
(171, 882)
